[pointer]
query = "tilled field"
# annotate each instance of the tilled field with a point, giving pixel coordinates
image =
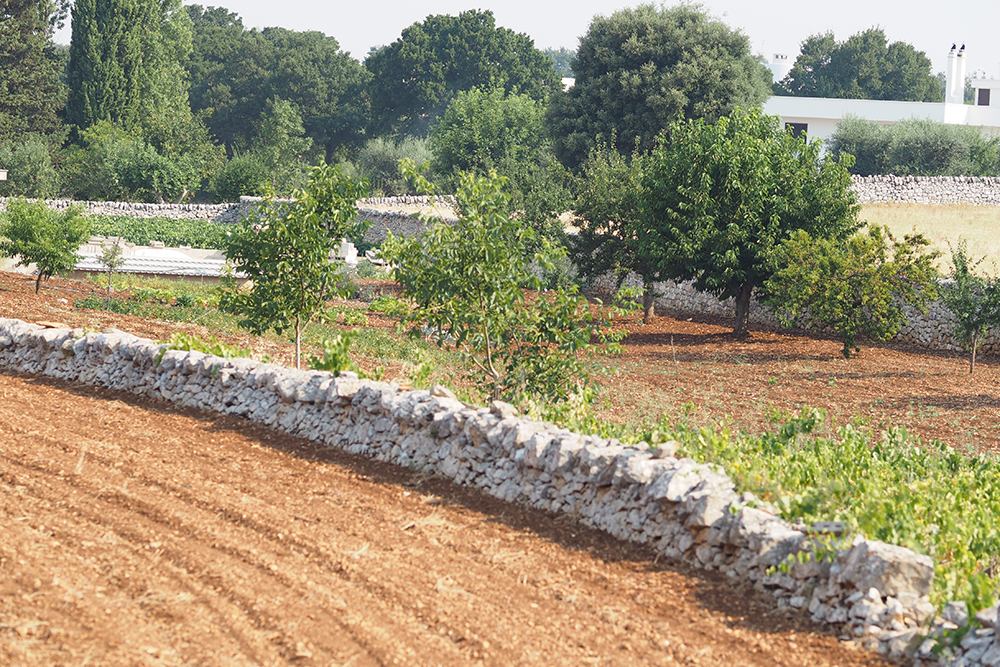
(134, 533)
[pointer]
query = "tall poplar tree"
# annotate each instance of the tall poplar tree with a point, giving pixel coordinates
(126, 61)
(30, 92)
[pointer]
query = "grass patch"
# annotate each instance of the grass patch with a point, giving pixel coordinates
(944, 224)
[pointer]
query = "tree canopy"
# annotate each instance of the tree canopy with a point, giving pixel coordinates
(125, 61)
(414, 78)
(865, 67)
(857, 286)
(31, 94)
(234, 72)
(718, 199)
(639, 69)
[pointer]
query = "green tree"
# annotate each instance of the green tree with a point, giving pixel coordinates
(126, 61)
(857, 287)
(31, 173)
(466, 281)
(414, 78)
(284, 249)
(111, 163)
(718, 199)
(609, 204)
(865, 67)
(640, 69)
(973, 299)
(562, 59)
(281, 145)
(31, 94)
(482, 129)
(36, 234)
(234, 72)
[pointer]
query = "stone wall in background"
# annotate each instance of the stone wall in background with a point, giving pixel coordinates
(873, 592)
(972, 190)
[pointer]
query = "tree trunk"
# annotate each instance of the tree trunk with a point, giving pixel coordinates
(38, 281)
(648, 308)
(743, 310)
(972, 362)
(298, 343)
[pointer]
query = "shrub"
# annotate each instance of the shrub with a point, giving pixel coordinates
(916, 147)
(30, 170)
(379, 161)
(244, 175)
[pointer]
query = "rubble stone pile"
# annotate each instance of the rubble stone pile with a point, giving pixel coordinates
(873, 592)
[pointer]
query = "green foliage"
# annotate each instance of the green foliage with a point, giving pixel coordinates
(855, 286)
(609, 205)
(974, 300)
(29, 69)
(112, 258)
(562, 60)
(865, 67)
(379, 160)
(284, 250)
(184, 341)
(719, 199)
(867, 141)
(465, 280)
(125, 61)
(172, 232)
(483, 130)
(917, 147)
(114, 164)
(281, 146)
(31, 173)
(896, 489)
(234, 72)
(246, 174)
(922, 147)
(414, 78)
(644, 67)
(36, 234)
(336, 355)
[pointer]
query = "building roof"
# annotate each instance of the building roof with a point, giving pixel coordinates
(158, 265)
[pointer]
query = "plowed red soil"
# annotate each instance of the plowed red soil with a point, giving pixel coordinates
(136, 533)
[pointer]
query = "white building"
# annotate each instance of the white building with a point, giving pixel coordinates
(818, 117)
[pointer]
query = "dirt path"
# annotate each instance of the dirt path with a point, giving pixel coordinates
(134, 533)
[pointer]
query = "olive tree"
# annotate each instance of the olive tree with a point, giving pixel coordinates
(284, 250)
(719, 199)
(36, 234)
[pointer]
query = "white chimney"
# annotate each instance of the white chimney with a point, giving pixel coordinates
(954, 92)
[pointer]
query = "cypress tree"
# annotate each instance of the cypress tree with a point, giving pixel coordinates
(124, 60)
(30, 92)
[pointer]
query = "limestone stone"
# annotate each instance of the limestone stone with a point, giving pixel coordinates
(889, 568)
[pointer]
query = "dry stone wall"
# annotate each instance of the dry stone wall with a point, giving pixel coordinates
(971, 190)
(869, 590)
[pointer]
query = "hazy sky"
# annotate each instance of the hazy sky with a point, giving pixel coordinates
(778, 26)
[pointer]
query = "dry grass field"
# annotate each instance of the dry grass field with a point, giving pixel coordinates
(944, 224)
